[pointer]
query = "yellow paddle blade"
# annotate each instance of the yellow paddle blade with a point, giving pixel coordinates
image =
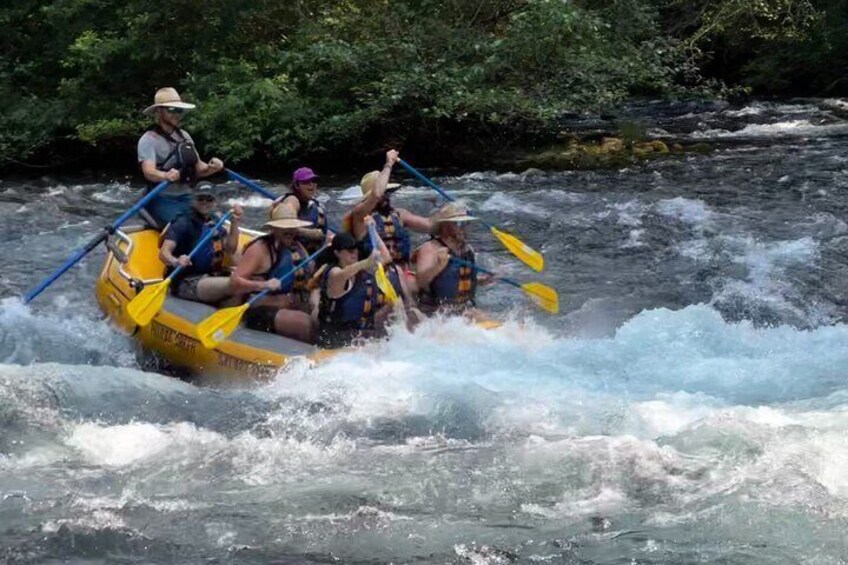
(218, 327)
(148, 302)
(543, 295)
(527, 254)
(385, 285)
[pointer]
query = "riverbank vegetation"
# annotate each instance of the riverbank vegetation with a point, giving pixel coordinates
(277, 81)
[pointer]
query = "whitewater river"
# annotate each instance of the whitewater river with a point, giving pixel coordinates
(689, 403)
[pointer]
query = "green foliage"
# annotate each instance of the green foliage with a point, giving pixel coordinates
(280, 80)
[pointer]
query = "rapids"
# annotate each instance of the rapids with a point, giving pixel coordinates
(688, 404)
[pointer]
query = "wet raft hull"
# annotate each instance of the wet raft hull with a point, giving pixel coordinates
(246, 354)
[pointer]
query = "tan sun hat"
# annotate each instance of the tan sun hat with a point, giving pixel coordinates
(451, 212)
(168, 97)
(370, 179)
(283, 217)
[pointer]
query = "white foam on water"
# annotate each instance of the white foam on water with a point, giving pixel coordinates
(695, 212)
(25, 336)
(507, 203)
(115, 193)
(251, 201)
(125, 445)
(790, 128)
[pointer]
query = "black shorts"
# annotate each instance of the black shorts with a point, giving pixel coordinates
(261, 318)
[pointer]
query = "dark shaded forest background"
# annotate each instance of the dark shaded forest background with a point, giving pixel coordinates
(277, 81)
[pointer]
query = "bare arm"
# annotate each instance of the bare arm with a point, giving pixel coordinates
(431, 261)
(370, 202)
(232, 242)
(151, 173)
(253, 261)
(414, 222)
(166, 255)
(339, 276)
(385, 256)
(203, 169)
(292, 203)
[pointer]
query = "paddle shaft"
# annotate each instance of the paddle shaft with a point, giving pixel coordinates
(414, 172)
(203, 241)
(251, 184)
(99, 238)
(263, 191)
(487, 271)
(291, 273)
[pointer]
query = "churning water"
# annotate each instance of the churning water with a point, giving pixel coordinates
(689, 404)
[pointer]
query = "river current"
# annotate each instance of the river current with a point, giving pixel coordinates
(689, 403)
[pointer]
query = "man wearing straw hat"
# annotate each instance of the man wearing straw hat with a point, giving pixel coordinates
(167, 153)
(444, 284)
(392, 224)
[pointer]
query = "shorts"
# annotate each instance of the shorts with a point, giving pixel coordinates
(186, 287)
(166, 207)
(261, 318)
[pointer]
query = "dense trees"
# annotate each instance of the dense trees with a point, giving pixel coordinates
(278, 79)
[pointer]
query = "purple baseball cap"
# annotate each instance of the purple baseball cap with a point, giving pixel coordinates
(304, 174)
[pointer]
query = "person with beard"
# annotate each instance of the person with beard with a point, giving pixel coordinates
(167, 153)
(301, 200)
(448, 286)
(392, 224)
(203, 278)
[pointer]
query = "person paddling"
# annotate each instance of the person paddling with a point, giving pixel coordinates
(392, 224)
(447, 285)
(167, 153)
(202, 278)
(351, 305)
(286, 311)
(301, 200)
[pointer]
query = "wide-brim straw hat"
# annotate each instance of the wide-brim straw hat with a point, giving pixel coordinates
(168, 98)
(452, 212)
(282, 217)
(370, 179)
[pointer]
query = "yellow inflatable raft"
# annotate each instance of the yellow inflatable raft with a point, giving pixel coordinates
(132, 261)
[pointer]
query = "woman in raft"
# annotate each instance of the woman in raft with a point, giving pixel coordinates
(351, 305)
(288, 310)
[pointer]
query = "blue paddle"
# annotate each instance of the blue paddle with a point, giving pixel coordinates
(215, 329)
(527, 254)
(99, 238)
(256, 187)
(149, 301)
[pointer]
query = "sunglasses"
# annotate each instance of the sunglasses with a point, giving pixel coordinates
(172, 110)
(205, 197)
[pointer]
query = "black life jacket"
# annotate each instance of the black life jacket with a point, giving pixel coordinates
(183, 153)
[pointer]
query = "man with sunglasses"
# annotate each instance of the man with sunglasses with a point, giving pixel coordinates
(203, 277)
(167, 152)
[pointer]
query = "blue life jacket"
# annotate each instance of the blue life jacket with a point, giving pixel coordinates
(284, 260)
(210, 258)
(456, 285)
(394, 235)
(353, 310)
(313, 212)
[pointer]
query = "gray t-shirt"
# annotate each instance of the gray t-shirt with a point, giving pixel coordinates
(153, 147)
